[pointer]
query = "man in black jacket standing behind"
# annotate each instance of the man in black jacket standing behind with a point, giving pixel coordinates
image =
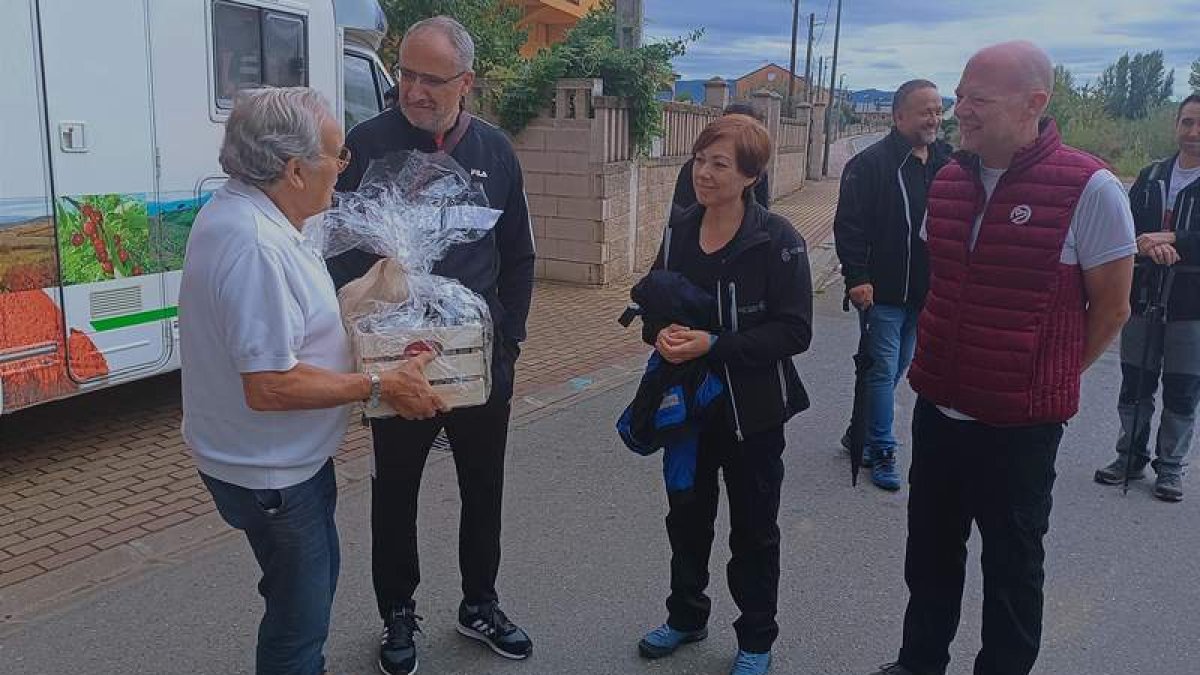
(878, 232)
(436, 60)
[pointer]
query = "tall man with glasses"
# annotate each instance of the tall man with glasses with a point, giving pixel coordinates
(436, 60)
(878, 232)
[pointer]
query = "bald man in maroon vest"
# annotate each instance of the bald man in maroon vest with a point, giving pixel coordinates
(1031, 247)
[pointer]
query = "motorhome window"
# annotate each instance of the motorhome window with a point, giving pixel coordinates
(253, 47)
(362, 94)
(283, 50)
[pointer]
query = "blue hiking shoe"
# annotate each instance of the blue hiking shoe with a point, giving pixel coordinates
(749, 663)
(884, 473)
(664, 640)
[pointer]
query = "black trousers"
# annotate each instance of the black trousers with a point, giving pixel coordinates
(478, 437)
(753, 471)
(1000, 478)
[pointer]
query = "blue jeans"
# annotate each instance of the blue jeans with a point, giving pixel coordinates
(295, 541)
(892, 338)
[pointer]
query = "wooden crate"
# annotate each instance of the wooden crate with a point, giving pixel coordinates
(461, 375)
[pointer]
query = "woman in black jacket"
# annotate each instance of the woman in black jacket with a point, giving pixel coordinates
(756, 266)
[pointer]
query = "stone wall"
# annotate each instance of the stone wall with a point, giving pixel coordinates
(598, 212)
(656, 185)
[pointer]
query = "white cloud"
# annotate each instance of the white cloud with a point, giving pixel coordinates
(1083, 34)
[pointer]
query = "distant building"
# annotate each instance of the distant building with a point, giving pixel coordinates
(771, 77)
(873, 111)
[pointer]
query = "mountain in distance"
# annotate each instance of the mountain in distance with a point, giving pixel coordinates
(884, 98)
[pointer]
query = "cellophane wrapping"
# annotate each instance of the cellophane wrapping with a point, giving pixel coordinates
(411, 209)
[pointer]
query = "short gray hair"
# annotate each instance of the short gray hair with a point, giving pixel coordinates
(267, 127)
(454, 31)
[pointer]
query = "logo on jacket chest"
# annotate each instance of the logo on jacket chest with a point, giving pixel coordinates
(1020, 214)
(479, 173)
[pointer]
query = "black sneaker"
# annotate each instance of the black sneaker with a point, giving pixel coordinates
(397, 652)
(1114, 473)
(1169, 487)
(490, 626)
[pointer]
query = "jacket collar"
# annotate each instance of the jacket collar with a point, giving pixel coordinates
(1163, 169)
(899, 148)
(423, 140)
(751, 233)
(1047, 143)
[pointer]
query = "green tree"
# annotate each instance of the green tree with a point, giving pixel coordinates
(590, 51)
(1084, 118)
(492, 24)
(1134, 86)
(1065, 98)
(1194, 78)
(1114, 86)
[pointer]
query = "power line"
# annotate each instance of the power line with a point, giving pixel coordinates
(824, 22)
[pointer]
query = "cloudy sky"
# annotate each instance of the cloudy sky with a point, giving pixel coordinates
(885, 42)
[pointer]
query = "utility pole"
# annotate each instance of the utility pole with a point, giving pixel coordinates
(837, 36)
(792, 67)
(630, 14)
(812, 19)
(820, 76)
(845, 98)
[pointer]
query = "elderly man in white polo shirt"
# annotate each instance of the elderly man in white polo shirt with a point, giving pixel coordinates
(267, 369)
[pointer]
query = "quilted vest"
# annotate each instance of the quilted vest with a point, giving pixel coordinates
(1001, 336)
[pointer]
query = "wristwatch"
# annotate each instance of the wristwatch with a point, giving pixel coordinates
(376, 390)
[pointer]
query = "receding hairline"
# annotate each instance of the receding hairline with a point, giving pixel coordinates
(906, 90)
(1027, 66)
(453, 33)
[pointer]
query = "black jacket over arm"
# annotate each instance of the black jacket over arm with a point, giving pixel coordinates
(498, 267)
(877, 228)
(765, 283)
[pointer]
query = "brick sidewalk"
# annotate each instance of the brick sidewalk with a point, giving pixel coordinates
(94, 473)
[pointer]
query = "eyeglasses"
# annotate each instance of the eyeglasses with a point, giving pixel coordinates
(426, 80)
(342, 159)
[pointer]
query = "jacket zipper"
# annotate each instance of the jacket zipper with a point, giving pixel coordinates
(1162, 211)
(782, 384)
(908, 220)
(737, 419)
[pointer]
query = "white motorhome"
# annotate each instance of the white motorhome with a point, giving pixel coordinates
(111, 115)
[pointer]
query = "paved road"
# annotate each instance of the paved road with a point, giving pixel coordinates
(585, 566)
(860, 143)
